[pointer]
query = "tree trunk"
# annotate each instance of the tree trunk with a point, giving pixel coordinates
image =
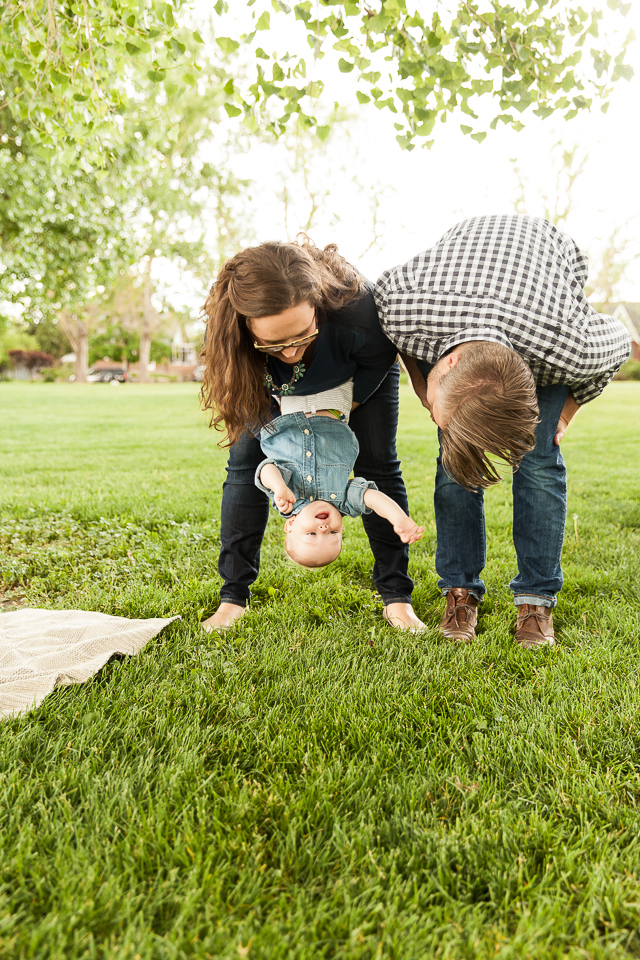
(77, 333)
(146, 326)
(82, 351)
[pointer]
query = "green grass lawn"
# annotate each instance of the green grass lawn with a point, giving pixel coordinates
(312, 784)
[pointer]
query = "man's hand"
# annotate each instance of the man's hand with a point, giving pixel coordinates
(284, 498)
(560, 431)
(408, 530)
(568, 413)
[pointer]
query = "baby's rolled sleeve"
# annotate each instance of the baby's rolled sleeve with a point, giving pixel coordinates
(354, 505)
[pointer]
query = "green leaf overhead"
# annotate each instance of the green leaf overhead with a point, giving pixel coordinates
(523, 56)
(68, 69)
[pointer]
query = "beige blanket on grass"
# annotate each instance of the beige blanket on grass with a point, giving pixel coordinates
(44, 649)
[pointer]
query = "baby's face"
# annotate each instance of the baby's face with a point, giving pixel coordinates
(314, 536)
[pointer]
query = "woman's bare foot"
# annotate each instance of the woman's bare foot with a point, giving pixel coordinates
(224, 616)
(402, 617)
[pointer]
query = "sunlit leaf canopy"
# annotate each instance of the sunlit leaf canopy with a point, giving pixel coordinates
(70, 69)
(99, 159)
(425, 60)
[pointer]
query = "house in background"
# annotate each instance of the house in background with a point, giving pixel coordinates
(629, 314)
(182, 366)
(182, 352)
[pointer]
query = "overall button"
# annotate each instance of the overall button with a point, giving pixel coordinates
(308, 479)
(307, 432)
(333, 496)
(308, 453)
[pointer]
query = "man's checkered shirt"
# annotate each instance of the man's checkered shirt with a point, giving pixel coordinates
(511, 279)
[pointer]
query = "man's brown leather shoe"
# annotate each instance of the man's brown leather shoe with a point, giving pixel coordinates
(461, 616)
(534, 626)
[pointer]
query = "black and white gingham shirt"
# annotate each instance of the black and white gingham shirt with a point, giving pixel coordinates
(511, 279)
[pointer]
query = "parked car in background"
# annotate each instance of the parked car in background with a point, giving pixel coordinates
(107, 375)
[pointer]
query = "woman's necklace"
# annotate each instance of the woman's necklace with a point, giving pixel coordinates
(299, 370)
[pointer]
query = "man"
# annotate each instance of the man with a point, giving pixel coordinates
(502, 348)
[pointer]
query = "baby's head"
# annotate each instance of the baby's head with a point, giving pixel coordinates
(313, 537)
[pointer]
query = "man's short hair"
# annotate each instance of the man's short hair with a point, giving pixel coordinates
(490, 408)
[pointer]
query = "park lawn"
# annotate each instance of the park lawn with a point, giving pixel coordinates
(311, 784)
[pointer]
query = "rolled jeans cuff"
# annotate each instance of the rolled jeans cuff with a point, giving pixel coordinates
(387, 600)
(535, 601)
(478, 596)
(235, 600)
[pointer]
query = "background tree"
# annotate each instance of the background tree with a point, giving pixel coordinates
(130, 306)
(318, 175)
(67, 236)
(48, 336)
(60, 232)
(115, 342)
(558, 201)
(621, 249)
(68, 68)
(610, 256)
(173, 195)
(77, 325)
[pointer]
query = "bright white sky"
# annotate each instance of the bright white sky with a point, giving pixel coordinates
(422, 193)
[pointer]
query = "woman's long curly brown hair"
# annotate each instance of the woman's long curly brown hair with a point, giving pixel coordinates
(258, 282)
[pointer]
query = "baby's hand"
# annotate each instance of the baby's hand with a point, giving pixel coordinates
(284, 498)
(408, 530)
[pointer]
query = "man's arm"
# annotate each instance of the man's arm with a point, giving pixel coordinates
(418, 382)
(384, 506)
(568, 413)
(272, 479)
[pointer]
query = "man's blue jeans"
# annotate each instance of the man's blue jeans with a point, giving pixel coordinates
(245, 508)
(539, 513)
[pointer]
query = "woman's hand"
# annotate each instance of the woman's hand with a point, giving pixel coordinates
(408, 530)
(284, 498)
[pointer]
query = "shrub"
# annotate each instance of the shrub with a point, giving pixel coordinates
(629, 371)
(31, 360)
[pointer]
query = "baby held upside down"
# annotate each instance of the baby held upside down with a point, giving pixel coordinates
(310, 453)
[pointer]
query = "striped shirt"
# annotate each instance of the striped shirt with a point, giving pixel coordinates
(513, 280)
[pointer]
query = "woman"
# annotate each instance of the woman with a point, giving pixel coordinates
(288, 318)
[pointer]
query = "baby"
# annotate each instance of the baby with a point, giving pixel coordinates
(310, 452)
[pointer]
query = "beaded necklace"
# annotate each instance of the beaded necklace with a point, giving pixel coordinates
(299, 371)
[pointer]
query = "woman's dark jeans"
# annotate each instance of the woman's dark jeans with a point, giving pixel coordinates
(245, 509)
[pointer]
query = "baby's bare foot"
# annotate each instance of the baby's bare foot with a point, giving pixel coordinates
(224, 617)
(402, 616)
